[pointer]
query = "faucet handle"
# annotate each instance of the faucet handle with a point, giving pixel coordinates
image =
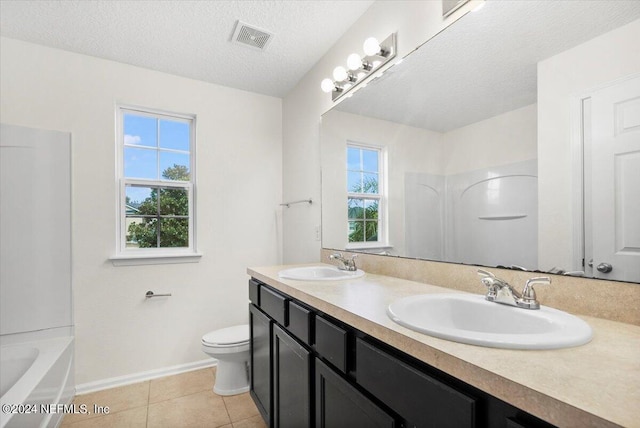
(489, 280)
(351, 263)
(485, 274)
(529, 294)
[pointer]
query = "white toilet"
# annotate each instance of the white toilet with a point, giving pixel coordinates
(230, 346)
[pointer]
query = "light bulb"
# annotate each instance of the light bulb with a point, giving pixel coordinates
(354, 61)
(339, 73)
(327, 85)
(371, 46)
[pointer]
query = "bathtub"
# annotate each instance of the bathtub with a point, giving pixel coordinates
(34, 375)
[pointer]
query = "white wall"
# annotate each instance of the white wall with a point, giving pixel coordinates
(504, 139)
(562, 79)
(415, 22)
(239, 164)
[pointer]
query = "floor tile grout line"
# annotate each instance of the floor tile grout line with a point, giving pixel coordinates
(179, 396)
(226, 410)
(245, 419)
(146, 421)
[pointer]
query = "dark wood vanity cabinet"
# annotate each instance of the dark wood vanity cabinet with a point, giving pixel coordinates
(422, 400)
(260, 361)
(339, 404)
(310, 370)
(291, 391)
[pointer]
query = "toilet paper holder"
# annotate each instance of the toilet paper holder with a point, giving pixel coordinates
(149, 294)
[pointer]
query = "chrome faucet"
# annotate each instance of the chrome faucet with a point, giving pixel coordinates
(500, 291)
(347, 264)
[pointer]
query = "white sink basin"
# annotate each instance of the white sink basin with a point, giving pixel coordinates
(469, 318)
(319, 273)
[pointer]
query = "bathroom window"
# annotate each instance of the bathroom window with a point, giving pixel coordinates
(365, 193)
(156, 194)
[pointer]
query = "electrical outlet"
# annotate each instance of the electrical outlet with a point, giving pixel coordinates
(317, 232)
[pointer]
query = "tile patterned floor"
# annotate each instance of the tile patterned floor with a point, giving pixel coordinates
(180, 401)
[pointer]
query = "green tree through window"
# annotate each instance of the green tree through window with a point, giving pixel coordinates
(162, 219)
(366, 211)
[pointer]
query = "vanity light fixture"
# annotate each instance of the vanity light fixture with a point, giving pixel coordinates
(376, 54)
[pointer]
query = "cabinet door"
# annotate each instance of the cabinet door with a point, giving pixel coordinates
(291, 382)
(339, 404)
(260, 388)
(416, 396)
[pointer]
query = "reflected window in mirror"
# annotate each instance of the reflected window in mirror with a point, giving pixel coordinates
(365, 195)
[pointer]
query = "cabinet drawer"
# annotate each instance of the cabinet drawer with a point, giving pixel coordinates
(254, 292)
(419, 398)
(331, 343)
(300, 322)
(274, 304)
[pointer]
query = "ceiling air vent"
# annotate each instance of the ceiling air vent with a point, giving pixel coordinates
(251, 36)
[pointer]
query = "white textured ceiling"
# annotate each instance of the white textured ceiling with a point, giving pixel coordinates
(190, 38)
(486, 63)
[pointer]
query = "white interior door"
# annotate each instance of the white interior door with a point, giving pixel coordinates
(615, 182)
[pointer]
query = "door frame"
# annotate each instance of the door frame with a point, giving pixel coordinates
(578, 145)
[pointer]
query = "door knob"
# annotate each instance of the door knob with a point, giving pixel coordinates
(604, 268)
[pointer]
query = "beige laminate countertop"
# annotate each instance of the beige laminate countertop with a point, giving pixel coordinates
(594, 385)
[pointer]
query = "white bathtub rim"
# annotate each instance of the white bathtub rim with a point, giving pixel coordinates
(16, 361)
(60, 395)
(36, 336)
(50, 351)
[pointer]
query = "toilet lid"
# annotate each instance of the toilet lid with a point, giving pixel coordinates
(228, 336)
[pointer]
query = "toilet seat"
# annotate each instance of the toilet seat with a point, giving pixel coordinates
(227, 337)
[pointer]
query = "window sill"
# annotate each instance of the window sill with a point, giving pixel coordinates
(368, 246)
(154, 259)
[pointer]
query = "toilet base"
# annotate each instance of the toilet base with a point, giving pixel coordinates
(232, 377)
(231, 391)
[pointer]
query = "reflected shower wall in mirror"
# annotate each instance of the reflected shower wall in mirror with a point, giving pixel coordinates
(487, 129)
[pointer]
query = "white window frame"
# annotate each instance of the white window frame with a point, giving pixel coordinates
(137, 256)
(381, 197)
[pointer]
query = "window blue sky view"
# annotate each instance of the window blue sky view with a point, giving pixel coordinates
(362, 159)
(153, 145)
(362, 166)
(137, 194)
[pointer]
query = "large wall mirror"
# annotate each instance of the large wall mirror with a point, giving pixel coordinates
(511, 138)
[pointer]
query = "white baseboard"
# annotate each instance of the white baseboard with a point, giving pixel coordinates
(114, 382)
